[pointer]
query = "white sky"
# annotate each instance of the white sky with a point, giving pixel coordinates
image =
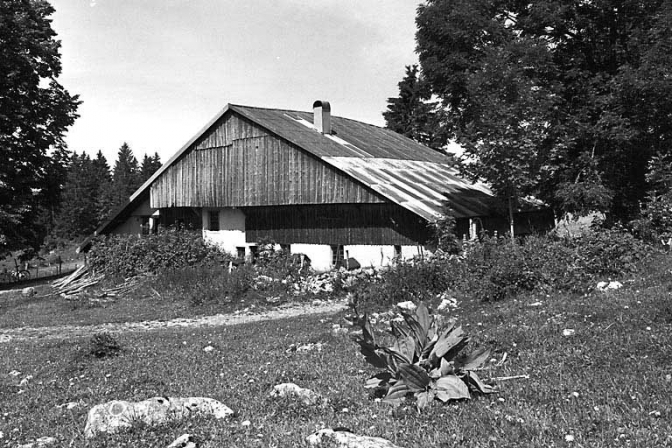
(153, 72)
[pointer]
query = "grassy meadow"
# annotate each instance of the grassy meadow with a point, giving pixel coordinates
(598, 372)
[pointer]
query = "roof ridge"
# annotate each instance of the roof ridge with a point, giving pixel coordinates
(277, 109)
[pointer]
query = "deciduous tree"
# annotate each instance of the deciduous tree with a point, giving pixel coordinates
(35, 111)
(564, 100)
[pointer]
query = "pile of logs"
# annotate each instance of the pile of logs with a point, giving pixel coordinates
(76, 282)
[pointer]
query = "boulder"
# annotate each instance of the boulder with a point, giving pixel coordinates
(408, 305)
(307, 396)
(346, 439)
(28, 292)
(110, 416)
(184, 441)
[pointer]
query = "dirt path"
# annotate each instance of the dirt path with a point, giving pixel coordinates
(73, 331)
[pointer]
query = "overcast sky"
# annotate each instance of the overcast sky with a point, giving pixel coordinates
(153, 72)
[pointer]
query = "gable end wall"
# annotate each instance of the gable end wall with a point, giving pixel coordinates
(238, 164)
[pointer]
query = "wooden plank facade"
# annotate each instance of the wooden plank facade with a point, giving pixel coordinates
(377, 224)
(239, 164)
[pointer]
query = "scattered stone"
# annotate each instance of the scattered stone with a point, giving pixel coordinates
(26, 380)
(69, 406)
(307, 396)
(534, 304)
(306, 347)
(604, 286)
(246, 423)
(110, 416)
(28, 292)
(14, 373)
(184, 441)
(408, 305)
(42, 442)
(446, 303)
(567, 332)
(336, 330)
(346, 439)
(208, 349)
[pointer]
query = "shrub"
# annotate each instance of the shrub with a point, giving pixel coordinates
(130, 255)
(417, 280)
(104, 345)
(424, 361)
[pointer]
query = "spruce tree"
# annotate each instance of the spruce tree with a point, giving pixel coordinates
(413, 114)
(149, 166)
(125, 180)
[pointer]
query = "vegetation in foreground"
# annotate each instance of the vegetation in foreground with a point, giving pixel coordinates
(598, 367)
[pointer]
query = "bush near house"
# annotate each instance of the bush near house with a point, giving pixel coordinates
(494, 269)
(128, 255)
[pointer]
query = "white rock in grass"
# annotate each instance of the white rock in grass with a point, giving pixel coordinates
(345, 439)
(184, 441)
(42, 442)
(28, 292)
(307, 396)
(408, 305)
(110, 416)
(604, 286)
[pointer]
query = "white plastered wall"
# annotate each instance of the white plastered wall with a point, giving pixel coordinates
(231, 233)
(319, 254)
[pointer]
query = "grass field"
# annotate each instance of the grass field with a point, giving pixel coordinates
(607, 383)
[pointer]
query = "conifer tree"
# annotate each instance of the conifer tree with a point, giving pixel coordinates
(125, 180)
(149, 166)
(413, 114)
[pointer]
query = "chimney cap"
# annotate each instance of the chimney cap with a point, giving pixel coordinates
(323, 104)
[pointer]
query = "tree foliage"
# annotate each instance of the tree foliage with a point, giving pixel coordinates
(150, 164)
(413, 114)
(565, 100)
(35, 111)
(79, 214)
(126, 178)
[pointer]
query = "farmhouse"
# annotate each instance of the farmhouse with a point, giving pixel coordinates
(324, 186)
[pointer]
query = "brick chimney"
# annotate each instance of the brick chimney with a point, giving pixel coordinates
(322, 116)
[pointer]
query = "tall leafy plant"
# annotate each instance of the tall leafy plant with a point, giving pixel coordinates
(424, 361)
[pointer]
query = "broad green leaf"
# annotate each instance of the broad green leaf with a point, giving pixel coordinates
(398, 330)
(427, 350)
(423, 318)
(448, 340)
(447, 367)
(367, 330)
(474, 360)
(379, 379)
(415, 377)
(406, 347)
(475, 383)
(396, 391)
(371, 354)
(451, 388)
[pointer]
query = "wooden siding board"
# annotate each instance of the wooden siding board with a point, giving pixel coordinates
(335, 224)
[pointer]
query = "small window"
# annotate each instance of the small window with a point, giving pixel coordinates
(240, 252)
(397, 252)
(337, 255)
(213, 220)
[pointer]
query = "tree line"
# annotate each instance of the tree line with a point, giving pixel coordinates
(91, 191)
